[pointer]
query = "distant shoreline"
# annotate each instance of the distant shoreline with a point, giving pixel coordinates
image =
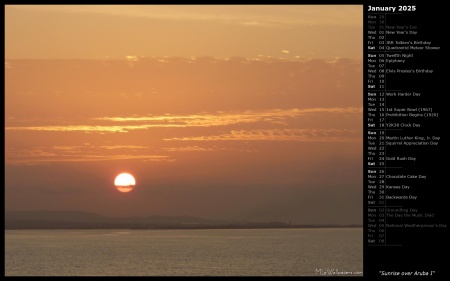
(17, 220)
(185, 227)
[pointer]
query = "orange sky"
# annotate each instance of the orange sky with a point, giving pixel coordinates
(238, 112)
(101, 31)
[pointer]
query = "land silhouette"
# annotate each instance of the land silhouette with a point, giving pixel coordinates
(86, 220)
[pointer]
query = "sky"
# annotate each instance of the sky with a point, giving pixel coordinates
(223, 112)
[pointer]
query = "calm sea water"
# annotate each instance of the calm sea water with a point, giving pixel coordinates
(224, 252)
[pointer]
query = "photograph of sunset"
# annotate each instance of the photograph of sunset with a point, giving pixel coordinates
(183, 139)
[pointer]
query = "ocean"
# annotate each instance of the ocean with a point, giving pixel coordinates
(196, 252)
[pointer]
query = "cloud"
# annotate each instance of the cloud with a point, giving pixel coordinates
(203, 149)
(122, 146)
(87, 128)
(303, 135)
(87, 153)
(273, 116)
(230, 118)
(259, 24)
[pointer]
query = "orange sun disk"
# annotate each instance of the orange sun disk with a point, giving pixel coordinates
(124, 182)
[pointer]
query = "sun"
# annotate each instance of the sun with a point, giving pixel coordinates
(124, 182)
